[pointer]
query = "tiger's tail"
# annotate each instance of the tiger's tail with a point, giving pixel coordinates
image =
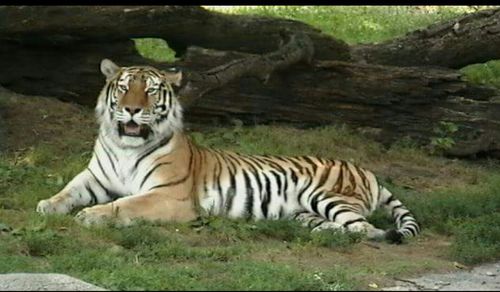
(406, 225)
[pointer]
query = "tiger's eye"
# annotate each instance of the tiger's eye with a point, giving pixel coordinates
(152, 90)
(122, 87)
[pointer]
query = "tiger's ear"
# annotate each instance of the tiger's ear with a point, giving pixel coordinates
(173, 76)
(108, 68)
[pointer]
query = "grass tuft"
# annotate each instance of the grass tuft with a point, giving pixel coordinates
(477, 239)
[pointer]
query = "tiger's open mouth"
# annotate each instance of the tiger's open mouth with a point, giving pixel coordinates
(133, 129)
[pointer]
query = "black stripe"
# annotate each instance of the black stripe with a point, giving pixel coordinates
(319, 222)
(305, 189)
(340, 178)
(171, 183)
(339, 212)
(364, 180)
(151, 171)
(231, 192)
(401, 215)
(278, 181)
(93, 197)
(396, 207)
(281, 212)
(296, 164)
(297, 214)
(267, 197)
(270, 161)
(163, 142)
(170, 97)
(249, 197)
(108, 95)
(324, 176)
(411, 224)
(353, 221)
(216, 170)
(393, 211)
(103, 142)
(109, 156)
(315, 202)
(182, 179)
(390, 199)
(97, 180)
(295, 179)
(311, 162)
(112, 195)
(217, 180)
(100, 166)
(329, 207)
(255, 173)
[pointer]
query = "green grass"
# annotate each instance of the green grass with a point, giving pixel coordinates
(357, 24)
(486, 74)
(155, 49)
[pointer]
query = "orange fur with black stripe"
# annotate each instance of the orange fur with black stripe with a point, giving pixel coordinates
(145, 167)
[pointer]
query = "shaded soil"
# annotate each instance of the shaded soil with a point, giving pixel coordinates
(33, 120)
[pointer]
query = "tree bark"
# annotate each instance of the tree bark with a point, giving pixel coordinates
(181, 26)
(389, 103)
(473, 38)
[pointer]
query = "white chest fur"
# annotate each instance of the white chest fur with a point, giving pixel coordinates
(122, 170)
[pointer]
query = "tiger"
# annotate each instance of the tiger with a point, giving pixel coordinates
(145, 167)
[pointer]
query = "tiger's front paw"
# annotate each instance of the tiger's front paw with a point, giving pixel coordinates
(99, 215)
(49, 207)
(93, 216)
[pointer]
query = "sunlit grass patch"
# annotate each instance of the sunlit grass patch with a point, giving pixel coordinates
(486, 74)
(155, 49)
(358, 24)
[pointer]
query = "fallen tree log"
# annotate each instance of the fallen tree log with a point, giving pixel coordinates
(181, 26)
(41, 55)
(472, 38)
(390, 103)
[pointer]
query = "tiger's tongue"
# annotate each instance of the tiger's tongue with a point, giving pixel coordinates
(132, 128)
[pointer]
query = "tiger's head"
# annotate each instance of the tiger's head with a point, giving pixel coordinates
(138, 105)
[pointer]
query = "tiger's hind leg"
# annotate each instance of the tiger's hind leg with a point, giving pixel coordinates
(318, 223)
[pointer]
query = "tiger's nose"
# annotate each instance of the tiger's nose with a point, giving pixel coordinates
(133, 110)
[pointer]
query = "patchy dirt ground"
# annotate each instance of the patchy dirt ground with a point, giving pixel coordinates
(33, 120)
(482, 278)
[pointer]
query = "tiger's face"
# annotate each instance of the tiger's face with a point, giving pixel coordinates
(138, 105)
